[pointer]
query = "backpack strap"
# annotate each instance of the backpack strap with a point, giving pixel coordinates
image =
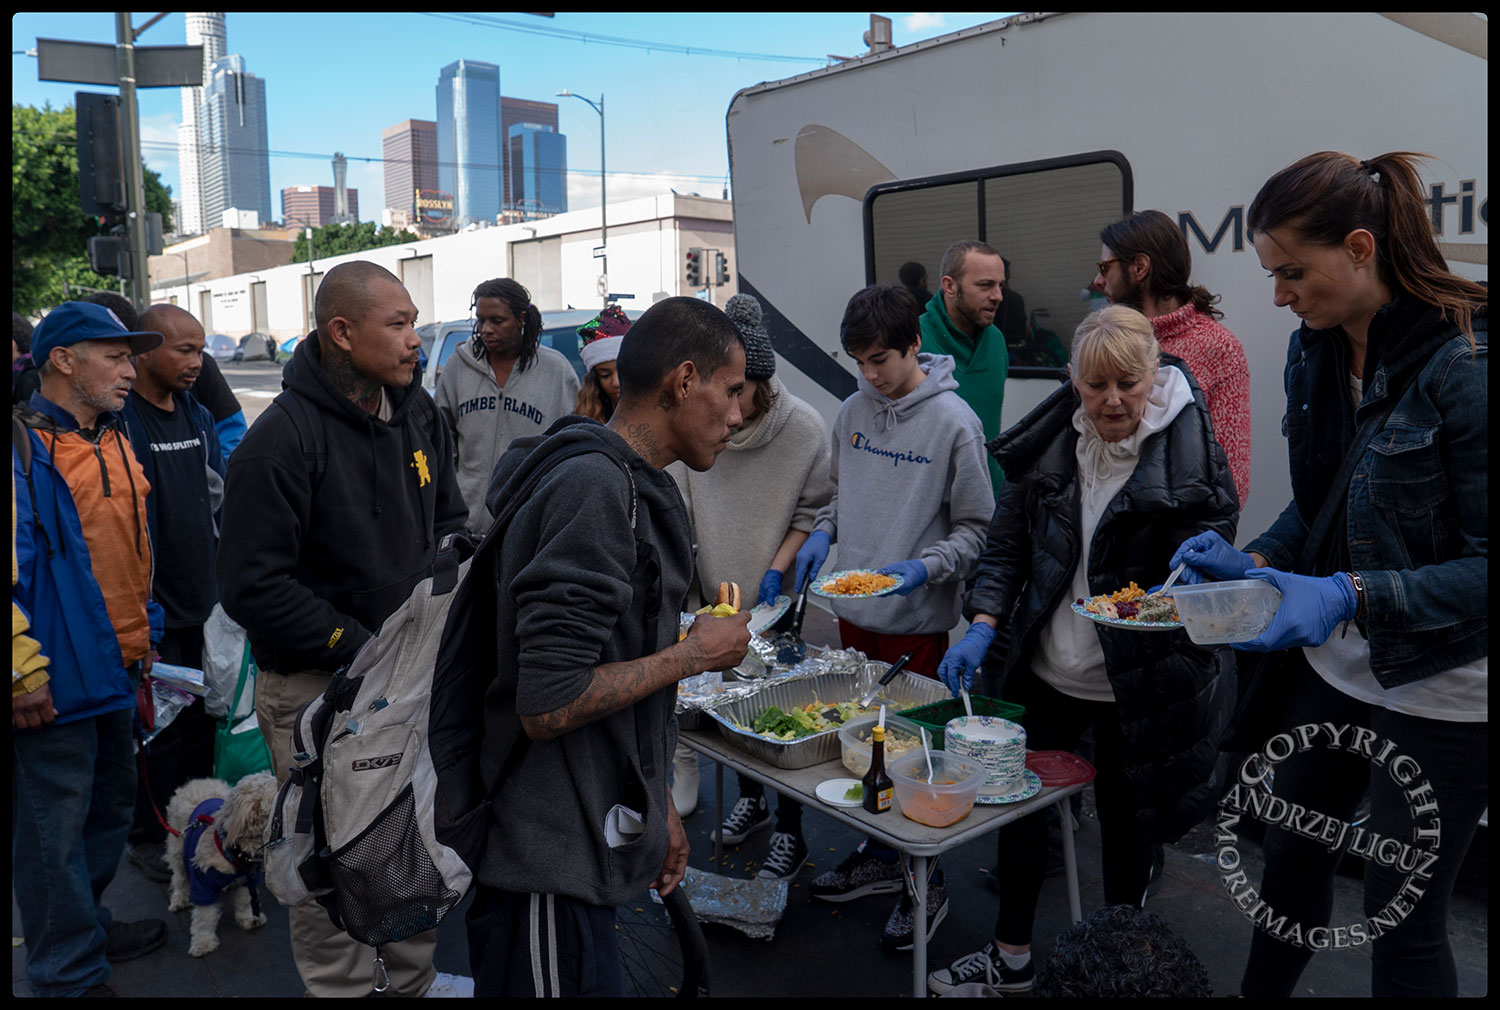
(311, 434)
(20, 440)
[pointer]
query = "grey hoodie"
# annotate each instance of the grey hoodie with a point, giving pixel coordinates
(911, 483)
(485, 419)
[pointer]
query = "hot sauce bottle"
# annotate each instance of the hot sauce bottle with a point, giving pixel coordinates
(878, 787)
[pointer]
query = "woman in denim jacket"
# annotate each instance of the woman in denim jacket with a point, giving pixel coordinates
(1385, 684)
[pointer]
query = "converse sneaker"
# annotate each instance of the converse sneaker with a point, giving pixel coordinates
(901, 928)
(748, 816)
(860, 874)
(985, 966)
(788, 853)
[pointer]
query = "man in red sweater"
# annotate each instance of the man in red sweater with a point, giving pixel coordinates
(1145, 264)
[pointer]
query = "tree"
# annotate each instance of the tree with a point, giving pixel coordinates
(339, 239)
(49, 230)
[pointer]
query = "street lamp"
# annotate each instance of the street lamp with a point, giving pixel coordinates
(603, 219)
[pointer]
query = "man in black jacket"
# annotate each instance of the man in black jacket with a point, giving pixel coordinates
(334, 506)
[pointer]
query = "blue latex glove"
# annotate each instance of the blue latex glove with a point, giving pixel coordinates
(770, 587)
(959, 663)
(810, 558)
(1311, 609)
(1209, 557)
(913, 574)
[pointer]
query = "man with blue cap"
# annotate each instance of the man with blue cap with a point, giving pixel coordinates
(83, 578)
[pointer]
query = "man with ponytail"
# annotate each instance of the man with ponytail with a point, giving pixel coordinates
(1381, 559)
(1145, 264)
(500, 386)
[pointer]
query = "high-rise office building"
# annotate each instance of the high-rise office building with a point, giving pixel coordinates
(410, 152)
(206, 30)
(314, 206)
(522, 110)
(469, 141)
(538, 170)
(233, 152)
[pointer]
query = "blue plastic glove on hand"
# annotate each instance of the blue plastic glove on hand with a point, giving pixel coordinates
(913, 574)
(810, 558)
(770, 587)
(1311, 609)
(1209, 557)
(959, 663)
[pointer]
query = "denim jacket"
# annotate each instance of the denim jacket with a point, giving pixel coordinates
(1416, 519)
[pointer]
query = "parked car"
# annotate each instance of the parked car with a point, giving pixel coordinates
(559, 332)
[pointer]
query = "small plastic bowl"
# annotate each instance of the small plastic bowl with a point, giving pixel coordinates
(950, 796)
(857, 751)
(1217, 613)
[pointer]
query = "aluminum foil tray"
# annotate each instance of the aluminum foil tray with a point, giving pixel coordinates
(906, 691)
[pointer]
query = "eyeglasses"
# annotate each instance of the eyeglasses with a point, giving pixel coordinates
(1103, 265)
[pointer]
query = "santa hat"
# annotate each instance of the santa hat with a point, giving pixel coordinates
(602, 336)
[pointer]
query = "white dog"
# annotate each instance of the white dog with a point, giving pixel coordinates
(222, 831)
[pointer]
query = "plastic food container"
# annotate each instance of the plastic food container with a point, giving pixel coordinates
(937, 715)
(950, 796)
(857, 751)
(1217, 613)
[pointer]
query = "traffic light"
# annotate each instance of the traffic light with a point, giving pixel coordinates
(695, 267)
(101, 173)
(721, 270)
(107, 255)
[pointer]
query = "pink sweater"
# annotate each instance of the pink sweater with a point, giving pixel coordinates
(1218, 364)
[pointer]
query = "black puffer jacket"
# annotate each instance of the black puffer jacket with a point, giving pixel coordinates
(1173, 698)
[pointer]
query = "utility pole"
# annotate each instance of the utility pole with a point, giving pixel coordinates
(134, 176)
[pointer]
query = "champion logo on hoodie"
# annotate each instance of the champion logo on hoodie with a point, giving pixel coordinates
(896, 456)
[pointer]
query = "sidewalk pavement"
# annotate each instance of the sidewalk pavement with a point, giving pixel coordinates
(819, 949)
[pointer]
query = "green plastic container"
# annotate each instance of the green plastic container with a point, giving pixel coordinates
(934, 717)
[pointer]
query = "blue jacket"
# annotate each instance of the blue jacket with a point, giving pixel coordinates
(1416, 517)
(56, 586)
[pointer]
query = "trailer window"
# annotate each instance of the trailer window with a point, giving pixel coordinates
(1044, 217)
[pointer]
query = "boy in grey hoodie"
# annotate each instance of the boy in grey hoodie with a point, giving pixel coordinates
(912, 498)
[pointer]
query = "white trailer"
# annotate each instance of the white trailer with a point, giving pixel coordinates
(1033, 132)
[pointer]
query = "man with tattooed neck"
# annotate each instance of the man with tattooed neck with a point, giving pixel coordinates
(335, 502)
(578, 727)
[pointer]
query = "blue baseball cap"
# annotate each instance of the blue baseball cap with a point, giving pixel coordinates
(72, 322)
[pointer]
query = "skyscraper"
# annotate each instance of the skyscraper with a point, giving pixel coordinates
(233, 152)
(411, 163)
(206, 30)
(314, 206)
(469, 141)
(522, 110)
(538, 170)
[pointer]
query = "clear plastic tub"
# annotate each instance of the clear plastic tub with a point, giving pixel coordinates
(856, 752)
(1217, 613)
(947, 799)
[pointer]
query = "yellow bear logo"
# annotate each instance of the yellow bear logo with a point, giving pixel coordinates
(419, 462)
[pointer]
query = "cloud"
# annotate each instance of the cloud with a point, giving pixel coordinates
(921, 22)
(583, 190)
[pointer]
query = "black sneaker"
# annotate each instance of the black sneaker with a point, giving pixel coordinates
(901, 928)
(748, 816)
(147, 857)
(126, 941)
(986, 966)
(786, 858)
(860, 874)
(102, 989)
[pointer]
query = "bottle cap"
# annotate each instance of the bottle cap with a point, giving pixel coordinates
(879, 734)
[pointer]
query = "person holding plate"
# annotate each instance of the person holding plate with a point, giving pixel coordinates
(1104, 476)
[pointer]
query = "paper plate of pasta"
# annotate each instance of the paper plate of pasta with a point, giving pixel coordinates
(857, 584)
(1131, 608)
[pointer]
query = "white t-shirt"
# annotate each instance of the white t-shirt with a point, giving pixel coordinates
(1460, 694)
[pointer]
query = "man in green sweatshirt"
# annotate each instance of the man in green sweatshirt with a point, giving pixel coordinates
(960, 321)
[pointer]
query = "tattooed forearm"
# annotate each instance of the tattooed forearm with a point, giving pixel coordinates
(617, 686)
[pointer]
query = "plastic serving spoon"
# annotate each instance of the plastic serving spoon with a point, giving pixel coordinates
(927, 753)
(1170, 579)
(963, 693)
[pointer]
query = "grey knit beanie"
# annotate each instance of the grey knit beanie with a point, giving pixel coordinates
(760, 360)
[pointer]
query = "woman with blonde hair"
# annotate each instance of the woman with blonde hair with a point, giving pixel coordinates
(1103, 480)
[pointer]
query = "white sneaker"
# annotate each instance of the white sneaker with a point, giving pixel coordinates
(685, 780)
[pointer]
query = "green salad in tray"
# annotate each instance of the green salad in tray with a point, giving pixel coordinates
(803, 721)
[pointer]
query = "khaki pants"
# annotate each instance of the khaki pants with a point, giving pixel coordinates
(330, 961)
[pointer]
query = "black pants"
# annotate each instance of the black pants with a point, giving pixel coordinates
(183, 750)
(1054, 721)
(1413, 958)
(788, 811)
(542, 945)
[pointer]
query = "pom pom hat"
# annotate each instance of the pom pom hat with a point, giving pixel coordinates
(602, 336)
(745, 312)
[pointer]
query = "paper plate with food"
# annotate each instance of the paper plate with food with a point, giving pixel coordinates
(1131, 608)
(857, 584)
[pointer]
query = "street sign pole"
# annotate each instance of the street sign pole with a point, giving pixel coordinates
(130, 144)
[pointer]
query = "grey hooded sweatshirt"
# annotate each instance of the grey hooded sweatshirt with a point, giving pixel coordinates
(912, 483)
(485, 419)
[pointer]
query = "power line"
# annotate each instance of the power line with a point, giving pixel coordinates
(502, 24)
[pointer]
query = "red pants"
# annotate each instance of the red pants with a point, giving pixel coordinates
(927, 650)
